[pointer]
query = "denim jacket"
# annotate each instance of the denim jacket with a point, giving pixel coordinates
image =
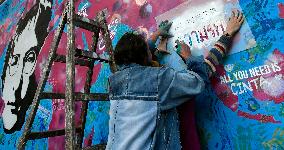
(143, 101)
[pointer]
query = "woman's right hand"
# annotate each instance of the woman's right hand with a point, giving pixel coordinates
(235, 22)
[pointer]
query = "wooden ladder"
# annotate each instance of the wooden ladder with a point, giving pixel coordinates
(74, 56)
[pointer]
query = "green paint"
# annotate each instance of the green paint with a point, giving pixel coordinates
(277, 140)
(2, 139)
(204, 138)
(91, 116)
(243, 139)
(281, 112)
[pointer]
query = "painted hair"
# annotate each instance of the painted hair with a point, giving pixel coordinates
(42, 22)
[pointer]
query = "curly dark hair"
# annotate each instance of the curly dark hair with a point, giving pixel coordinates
(131, 48)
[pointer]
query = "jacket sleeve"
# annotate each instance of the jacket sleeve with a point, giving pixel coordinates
(199, 66)
(207, 66)
(176, 88)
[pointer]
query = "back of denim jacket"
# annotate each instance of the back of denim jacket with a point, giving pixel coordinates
(143, 101)
(134, 108)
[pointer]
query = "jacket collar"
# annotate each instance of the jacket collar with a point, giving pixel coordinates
(125, 66)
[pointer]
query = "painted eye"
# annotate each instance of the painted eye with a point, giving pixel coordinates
(30, 62)
(14, 60)
(30, 57)
(13, 64)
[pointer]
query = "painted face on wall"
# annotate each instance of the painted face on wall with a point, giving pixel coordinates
(19, 83)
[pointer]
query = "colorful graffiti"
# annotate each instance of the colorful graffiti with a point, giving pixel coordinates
(227, 116)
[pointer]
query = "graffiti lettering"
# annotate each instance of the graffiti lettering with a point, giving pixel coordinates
(257, 82)
(206, 33)
(83, 11)
(112, 28)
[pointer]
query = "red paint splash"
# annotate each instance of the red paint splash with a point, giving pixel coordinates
(88, 140)
(281, 10)
(260, 117)
(260, 94)
(230, 100)
(58, 119)
(223, 91)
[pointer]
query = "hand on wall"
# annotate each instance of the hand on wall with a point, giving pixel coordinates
(235, 22)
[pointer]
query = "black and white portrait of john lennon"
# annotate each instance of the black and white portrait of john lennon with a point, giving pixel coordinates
(18, 77)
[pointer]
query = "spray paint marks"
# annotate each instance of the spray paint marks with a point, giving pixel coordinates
(89, 138)
(140, 2)
(281, 10)
(281, 111)
(252, 104)
(4, 10)
(260, 117)
(245, 135)
(277, 140)
(145, 10)
(116, 6)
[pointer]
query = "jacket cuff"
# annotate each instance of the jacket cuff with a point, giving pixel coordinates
(198, 65)
(193, 60)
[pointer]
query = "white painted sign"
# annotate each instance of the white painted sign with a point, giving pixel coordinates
(200, 23)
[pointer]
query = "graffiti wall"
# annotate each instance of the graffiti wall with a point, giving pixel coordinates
(243, 109)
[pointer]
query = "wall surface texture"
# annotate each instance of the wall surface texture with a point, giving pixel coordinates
(244, 108)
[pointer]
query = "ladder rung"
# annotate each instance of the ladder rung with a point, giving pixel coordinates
(77, 96)
(91, 97)
(86, 23)
(46, 134)
(52, 96)
(96, 147)
(88, 54)
(78, 61)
